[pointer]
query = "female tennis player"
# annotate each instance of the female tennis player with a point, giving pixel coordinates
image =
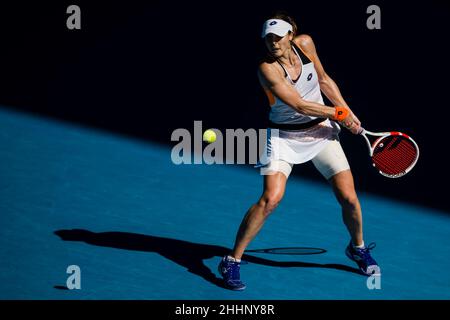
(293, 79)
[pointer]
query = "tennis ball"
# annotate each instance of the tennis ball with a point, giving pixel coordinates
(209, 136)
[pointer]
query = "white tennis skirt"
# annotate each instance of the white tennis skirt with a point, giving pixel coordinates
(298, 146)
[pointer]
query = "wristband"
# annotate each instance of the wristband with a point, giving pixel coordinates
(341, 113)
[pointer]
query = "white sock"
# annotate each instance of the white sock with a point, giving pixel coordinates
(230, 258)
(358, 247)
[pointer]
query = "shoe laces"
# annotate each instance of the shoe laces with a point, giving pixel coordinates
(233, 268)
(365, 252)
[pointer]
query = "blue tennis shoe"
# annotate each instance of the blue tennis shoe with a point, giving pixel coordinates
(229, 270)
(363, 259)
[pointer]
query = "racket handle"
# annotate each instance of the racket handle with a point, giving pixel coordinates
(362, 131)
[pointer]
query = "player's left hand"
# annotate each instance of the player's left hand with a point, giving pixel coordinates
(353, 127)
(352, 123)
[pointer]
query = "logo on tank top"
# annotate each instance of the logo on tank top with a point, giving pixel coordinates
(273, 23)
(309, 76)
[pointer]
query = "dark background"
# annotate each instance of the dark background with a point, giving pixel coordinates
(144, 69)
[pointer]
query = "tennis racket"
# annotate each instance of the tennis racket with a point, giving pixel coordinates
(393, 154)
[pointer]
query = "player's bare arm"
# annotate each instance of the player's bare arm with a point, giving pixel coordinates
(327, 85)
(272, 79)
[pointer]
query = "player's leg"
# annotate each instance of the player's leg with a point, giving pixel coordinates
(344, 190)
(356, 250)
(333, 165)
(274, 186)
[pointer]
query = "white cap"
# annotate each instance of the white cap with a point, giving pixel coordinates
(276, 26)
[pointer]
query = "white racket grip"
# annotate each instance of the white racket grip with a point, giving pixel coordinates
(363, 132)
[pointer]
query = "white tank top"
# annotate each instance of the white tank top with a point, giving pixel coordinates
(302, 145)
(307, 85)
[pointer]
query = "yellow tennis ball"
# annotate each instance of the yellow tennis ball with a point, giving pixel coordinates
(209, 136)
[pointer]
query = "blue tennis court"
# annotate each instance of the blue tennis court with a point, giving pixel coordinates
(140, 227)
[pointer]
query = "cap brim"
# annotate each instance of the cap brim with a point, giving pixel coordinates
(276, 26)
(280, 33)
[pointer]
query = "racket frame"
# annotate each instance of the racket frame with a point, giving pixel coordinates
(382, 135)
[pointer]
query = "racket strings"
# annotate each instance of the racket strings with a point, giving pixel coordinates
(393, 155)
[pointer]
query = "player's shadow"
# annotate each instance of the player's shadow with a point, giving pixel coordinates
(187, 254)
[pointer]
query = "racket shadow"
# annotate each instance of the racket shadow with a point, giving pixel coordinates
(184, 253)
(299, 251)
